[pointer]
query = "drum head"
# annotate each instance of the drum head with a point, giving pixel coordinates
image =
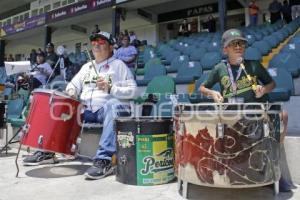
(142, 119)
(53, 92)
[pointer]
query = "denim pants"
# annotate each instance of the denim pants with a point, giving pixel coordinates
(253, 20)
(106, 116)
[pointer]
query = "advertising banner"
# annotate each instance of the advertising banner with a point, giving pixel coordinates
(27, 24)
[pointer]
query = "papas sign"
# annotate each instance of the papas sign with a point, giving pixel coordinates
(188, 12)
(200, 10)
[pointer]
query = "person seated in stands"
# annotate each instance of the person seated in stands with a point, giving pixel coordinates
(52, 58)
(235, 84)
(253, 12)
(184, 29)
(119, 40)
(127, 53)
(104, 87)
(211, 24)
(32, 57)
(42, 72)
(275, 11)
(132, 37)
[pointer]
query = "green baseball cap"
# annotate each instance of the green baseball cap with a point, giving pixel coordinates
(232, 34)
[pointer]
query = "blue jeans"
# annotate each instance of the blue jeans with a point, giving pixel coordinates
(106, 115)
(253, 20)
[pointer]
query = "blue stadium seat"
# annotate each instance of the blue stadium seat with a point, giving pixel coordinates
(197, 54)
(177, 62)
(210, 59)
(284, 85)
(152, 71)
(252, 53)
(288, 61)
(188, 72)
(15, 108)
(262, 46)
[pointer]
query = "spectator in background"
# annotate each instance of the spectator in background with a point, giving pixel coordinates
(275, 11)
(32, 56)
(253, 13)
(126, 32)
(286, 12)
(52, 58)
(10, 58)
(295, 6)
(194, 26)
(43, 71)
(127, 53)
(211, 24)
(132, 37)
(97, 30)
(119, 39)
(184, 28)
(39, 51)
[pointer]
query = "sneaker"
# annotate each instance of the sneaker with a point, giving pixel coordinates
(100, 169)
(39, 158)
(284, 185)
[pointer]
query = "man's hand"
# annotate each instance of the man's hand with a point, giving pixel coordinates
(102, 84)
(260, 91)
(71, 92)
(217, 97)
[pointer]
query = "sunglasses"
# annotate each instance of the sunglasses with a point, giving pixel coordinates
(98, 41)
(239, 43)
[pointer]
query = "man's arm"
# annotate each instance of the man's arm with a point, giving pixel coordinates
(262, 90)
(217, 97)
(124, 85)
(74, 87)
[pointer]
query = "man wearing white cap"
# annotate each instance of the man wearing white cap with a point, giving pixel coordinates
(104, 86)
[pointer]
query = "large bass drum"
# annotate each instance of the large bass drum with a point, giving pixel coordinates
(227, 145)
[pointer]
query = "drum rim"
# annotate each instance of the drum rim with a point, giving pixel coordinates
(56, 92)
(264, 106)
(143, 119)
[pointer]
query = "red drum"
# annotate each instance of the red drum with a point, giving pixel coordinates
(52, 123)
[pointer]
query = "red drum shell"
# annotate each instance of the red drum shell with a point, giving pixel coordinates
(53, 123)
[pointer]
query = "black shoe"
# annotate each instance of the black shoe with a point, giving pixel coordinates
(39, 158)
(100, 169)
(284, 185)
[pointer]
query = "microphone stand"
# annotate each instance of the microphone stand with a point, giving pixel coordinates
(53, 71)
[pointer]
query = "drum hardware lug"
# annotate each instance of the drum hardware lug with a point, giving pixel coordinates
(25, 128)
(40, 140)
(266, 129)
(138, 128)
(181, 128)
(123, 160)
(78, 141)
(220, 130)
(73, 148)
(64, 117)
(51, 99)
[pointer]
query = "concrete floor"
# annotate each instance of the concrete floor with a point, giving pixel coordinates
(65, 181)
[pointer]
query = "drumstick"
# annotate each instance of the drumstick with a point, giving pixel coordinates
(90, 58)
